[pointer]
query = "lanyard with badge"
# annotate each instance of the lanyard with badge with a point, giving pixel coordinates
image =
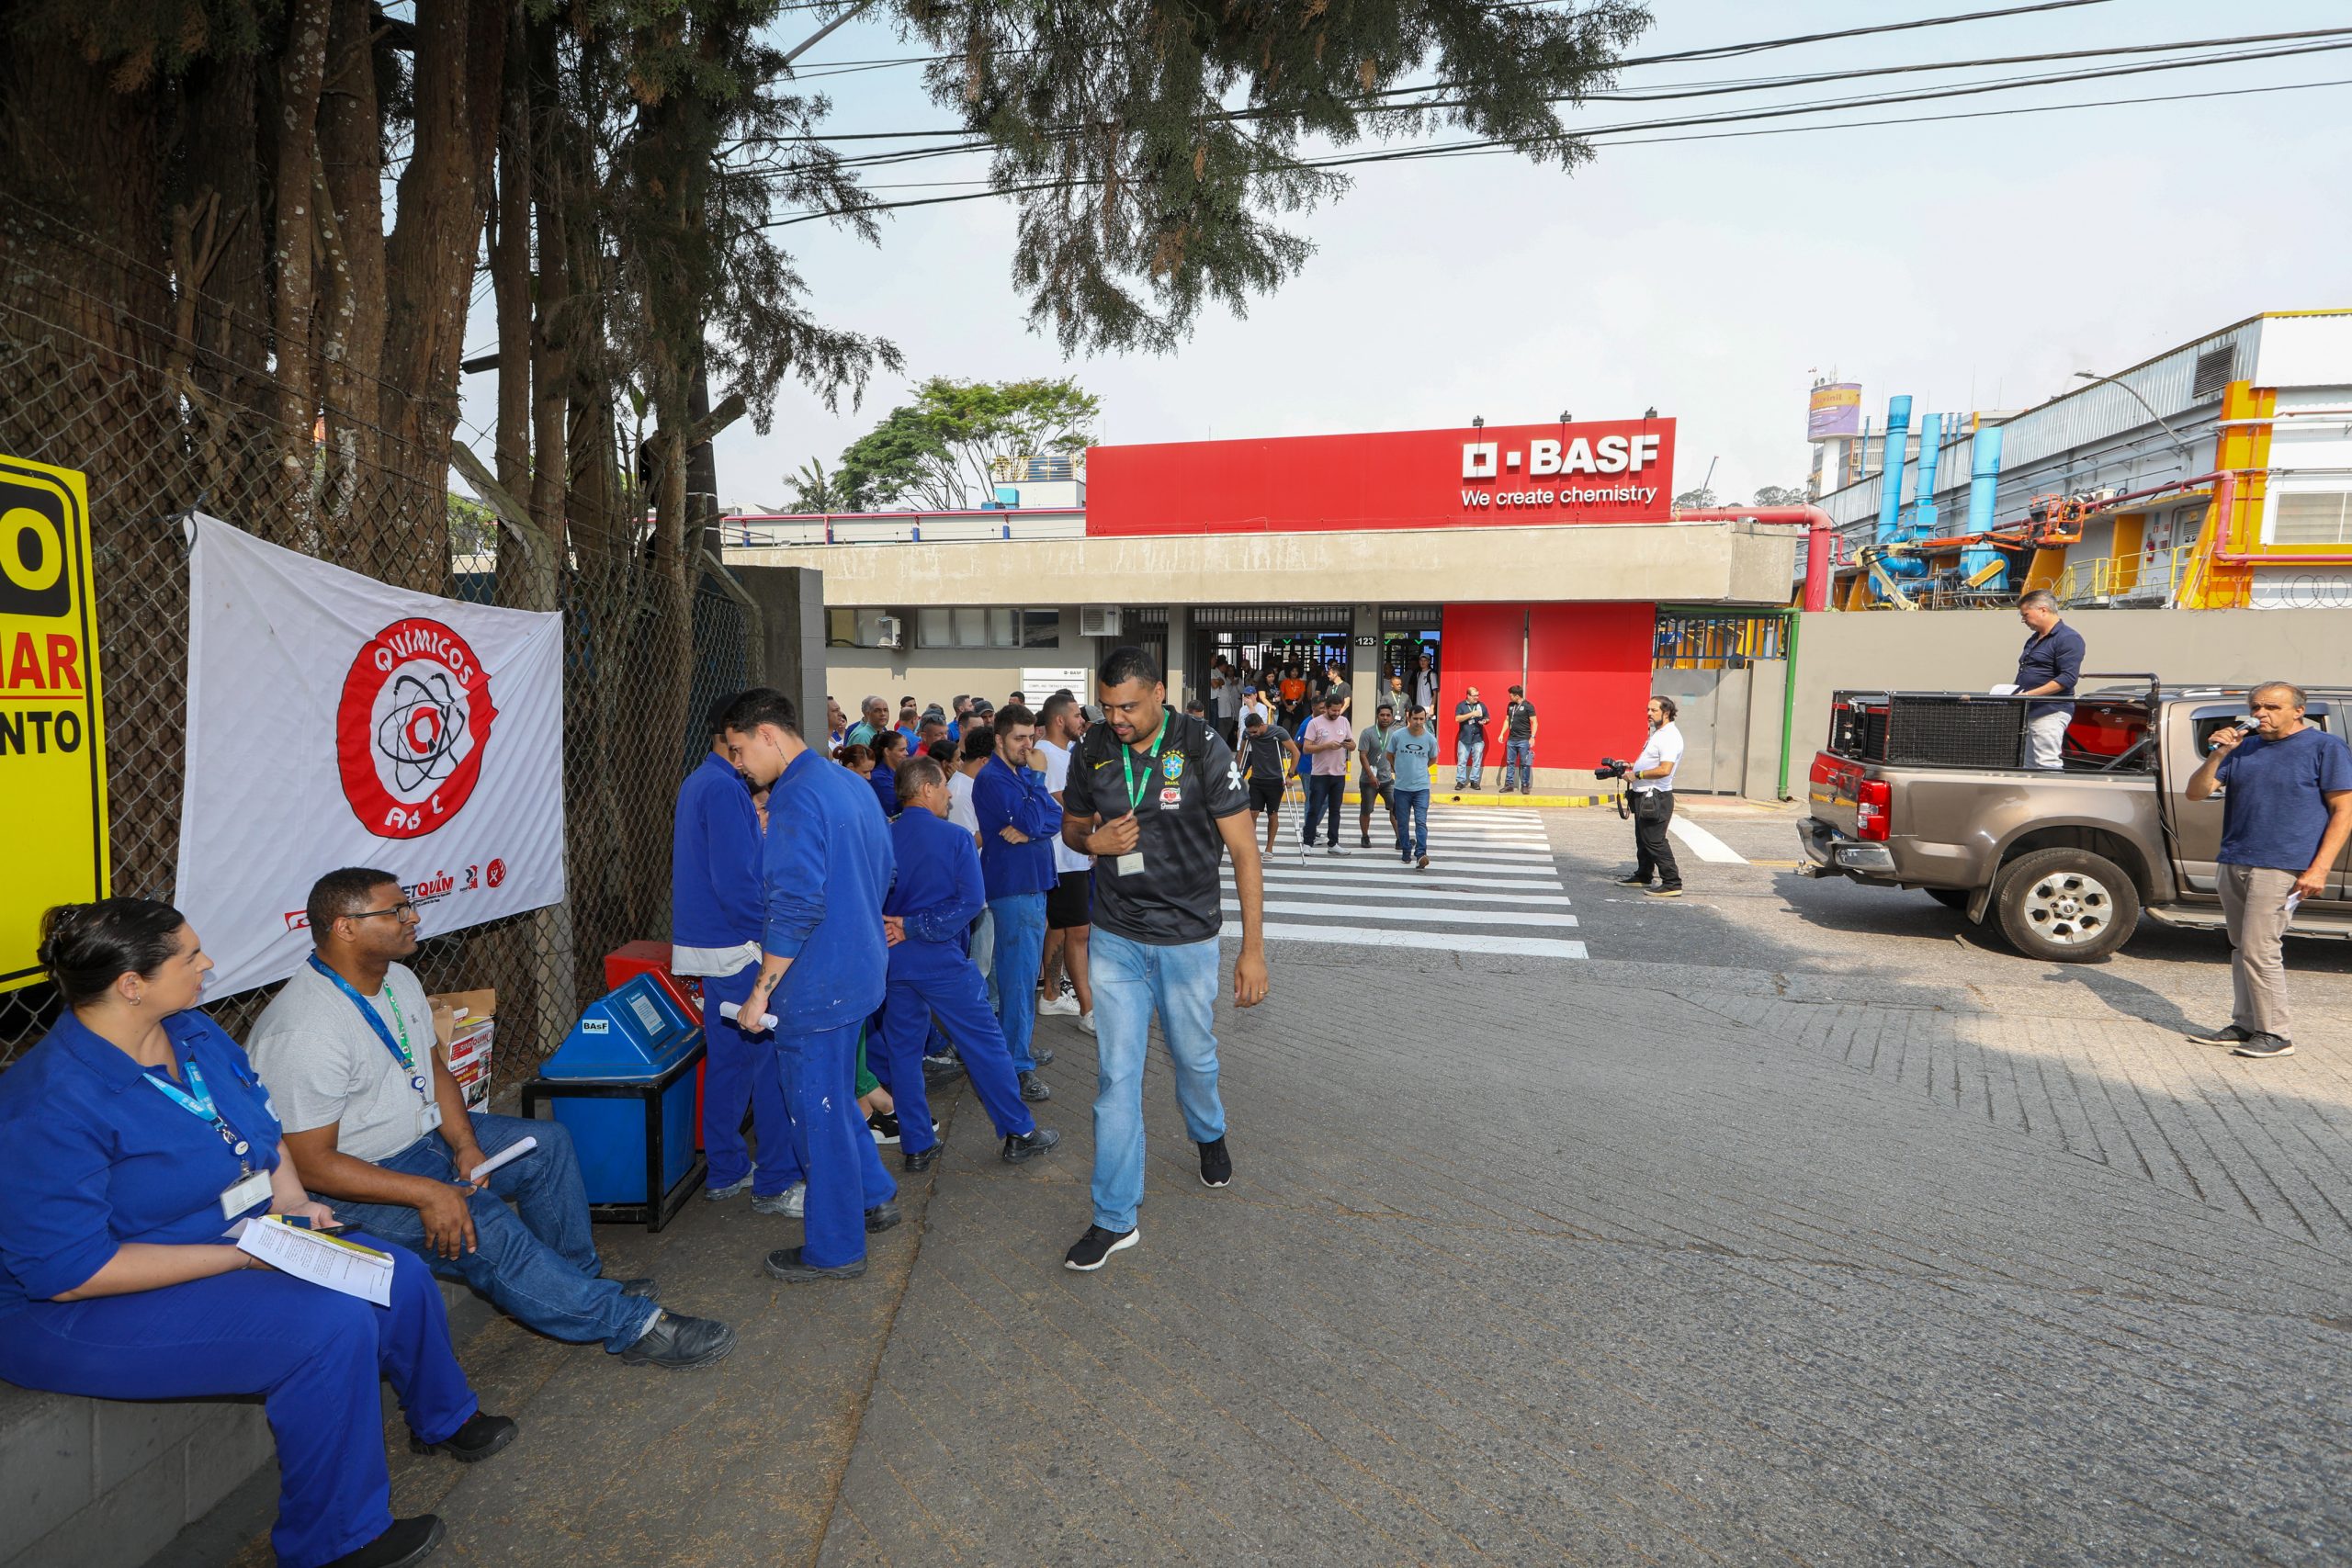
(252, 1186)
(401, 1051)
(1131, 863)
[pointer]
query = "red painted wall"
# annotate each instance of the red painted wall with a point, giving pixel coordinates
(1588, 674)
(1403, 478)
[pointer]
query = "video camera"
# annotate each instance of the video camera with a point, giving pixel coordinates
(1612, 768)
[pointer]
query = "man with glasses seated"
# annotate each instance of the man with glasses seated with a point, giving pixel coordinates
(377, 1124)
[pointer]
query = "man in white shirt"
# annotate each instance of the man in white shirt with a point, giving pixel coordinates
(1068, 907)
(1425, 688)
(1650, 783)
(377, 1124)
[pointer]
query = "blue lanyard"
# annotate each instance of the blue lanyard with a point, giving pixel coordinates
(199, 1103)
(399, 1048)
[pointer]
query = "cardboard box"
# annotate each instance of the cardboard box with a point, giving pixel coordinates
(465, 1025)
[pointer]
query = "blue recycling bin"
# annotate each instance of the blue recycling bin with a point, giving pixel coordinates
(623, 1084)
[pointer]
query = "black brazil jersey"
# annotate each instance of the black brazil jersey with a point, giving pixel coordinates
(1181, 788)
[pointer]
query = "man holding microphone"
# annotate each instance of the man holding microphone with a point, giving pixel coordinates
(2284, 820)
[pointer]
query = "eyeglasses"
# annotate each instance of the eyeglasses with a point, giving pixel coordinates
(404, 910)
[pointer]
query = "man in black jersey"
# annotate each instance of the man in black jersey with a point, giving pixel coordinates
(1158, 799)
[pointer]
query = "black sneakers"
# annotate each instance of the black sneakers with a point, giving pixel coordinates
(2260, 1045)
(1033, 1089)
(479, 1438)
(2227, 1034)
(678, 1343)
(1633, 882)
(1028, 1146)
(1216, 1163)
(883, 1125)
(407, 1541)
(1091, 1250)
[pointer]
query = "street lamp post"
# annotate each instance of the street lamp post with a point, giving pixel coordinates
(2169, 429)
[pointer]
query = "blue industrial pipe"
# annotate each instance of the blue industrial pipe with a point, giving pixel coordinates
(1923, 509)
(1983, 479)
(1892, 454)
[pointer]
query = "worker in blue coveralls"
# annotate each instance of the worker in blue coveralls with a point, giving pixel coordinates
(890, 751)
(132, 1138)
(715, 914)
(926, 920)
(1018, 820)
(826, 870)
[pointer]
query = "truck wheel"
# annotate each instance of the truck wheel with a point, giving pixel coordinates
(2067, 906)
(1951, 897)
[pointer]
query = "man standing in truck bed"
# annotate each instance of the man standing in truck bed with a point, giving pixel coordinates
(2284, 821)
(2047, 667)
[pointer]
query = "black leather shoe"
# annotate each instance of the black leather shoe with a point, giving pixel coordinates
(647, 1288)
(785, 1263)
(1043, 1059)
(479, 1438)
(1035, 1089)
(1028, 1146)
(677, 1343)
(916, 1163)
(407, 1541)
(881, 1217)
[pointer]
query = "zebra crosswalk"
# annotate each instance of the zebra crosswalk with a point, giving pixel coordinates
(1492, 886)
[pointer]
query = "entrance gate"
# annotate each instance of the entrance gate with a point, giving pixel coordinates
(1707, 663)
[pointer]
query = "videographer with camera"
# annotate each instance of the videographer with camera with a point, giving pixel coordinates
(1649, 780)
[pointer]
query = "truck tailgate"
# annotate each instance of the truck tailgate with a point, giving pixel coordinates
(1834, 792)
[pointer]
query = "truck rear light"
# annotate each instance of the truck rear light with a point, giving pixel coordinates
(1874, 810)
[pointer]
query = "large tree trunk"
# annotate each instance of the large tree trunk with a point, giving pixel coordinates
(429, 278)
(294, 234)
(351, 157)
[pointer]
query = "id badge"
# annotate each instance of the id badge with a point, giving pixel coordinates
(236, 1197)
(1131, 865)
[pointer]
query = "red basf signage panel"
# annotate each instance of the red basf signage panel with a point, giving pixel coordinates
(1594, 471)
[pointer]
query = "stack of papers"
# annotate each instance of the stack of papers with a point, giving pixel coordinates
(339, 1265)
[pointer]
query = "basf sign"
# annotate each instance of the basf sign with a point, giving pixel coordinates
(1592, 471)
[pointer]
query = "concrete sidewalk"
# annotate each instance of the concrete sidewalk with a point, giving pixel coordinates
(1783, 1229)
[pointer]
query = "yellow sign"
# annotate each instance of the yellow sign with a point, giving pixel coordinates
(53, 729)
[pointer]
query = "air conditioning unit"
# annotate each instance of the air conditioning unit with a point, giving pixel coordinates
(888, 632)
(1098, 620)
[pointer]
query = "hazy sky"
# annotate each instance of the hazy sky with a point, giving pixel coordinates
(1972, 263)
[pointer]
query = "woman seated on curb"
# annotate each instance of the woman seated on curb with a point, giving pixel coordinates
(132, 1138)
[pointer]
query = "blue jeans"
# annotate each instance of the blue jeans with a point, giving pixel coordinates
(1469, 759)
(740, 1072)
(1132, 980)
(1325, 792)
(537, 1260)
(1518, 755)
(1020, 956)
(1412, 822)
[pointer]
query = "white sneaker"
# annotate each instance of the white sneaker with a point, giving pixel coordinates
(1086, 1021)
(1060, 1007)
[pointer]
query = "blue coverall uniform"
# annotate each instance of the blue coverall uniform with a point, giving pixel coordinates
(715, 904)
(884, 783)
(1016, 878)
(92, 1156)
(827, 867)
(938, 895)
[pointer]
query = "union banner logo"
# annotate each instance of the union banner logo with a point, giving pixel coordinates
(410, 729)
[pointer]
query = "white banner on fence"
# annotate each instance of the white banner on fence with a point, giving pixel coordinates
(333, 720)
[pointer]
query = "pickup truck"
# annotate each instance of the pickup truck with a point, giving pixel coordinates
(1925, 790)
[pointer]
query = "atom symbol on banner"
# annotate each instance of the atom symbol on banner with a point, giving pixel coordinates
(419, 733)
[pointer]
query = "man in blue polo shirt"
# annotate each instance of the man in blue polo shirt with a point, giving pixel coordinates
(1019, 819)
(2051, 660)
(826, 868)
(2285, 819)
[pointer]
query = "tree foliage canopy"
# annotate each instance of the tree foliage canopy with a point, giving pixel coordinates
(937, 452)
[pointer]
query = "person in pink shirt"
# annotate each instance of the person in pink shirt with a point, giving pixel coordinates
(1329, 743)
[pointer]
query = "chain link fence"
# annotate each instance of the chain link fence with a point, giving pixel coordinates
(165, 412)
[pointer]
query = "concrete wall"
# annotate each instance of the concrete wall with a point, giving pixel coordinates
(792, 625)
(1977, 650)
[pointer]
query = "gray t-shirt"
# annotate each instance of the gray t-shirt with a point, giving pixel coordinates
(325, 1066)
